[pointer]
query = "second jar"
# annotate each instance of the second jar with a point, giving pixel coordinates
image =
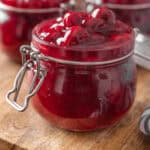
(18, 18)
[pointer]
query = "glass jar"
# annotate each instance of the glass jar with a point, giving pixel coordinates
(78, 89)
(16, 24)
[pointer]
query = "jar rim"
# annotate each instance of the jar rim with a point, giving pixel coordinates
(29, 10)
(81, 63)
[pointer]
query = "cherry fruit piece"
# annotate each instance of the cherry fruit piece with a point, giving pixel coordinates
(95, 25)
(76, 35)
(72, 19)
(106, 14)
(101, 21)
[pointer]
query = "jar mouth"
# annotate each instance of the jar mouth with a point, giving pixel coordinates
(81, 63)
(30, 10)
(104, 46)
(127, 6)
(101, 52)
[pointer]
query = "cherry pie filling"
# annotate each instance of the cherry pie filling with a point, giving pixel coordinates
(85, 97)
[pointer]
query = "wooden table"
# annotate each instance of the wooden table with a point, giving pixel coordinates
(28, 130)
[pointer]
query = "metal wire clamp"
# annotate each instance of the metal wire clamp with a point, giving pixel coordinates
(31, 61)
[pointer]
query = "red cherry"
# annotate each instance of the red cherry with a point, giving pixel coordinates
(57, 26)
(106, 14)
(75, 35)
(46, 26)
(94, 25)
(102, 21)
(52, 37)
(72, 19)
(52, 33)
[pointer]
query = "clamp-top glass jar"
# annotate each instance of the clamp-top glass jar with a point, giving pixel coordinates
(85, 82)
(17, 19)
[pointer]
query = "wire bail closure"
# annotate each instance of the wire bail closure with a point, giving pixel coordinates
(31, 61)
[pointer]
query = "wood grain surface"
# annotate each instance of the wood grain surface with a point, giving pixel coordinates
(29, 131)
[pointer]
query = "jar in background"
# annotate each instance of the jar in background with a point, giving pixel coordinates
(17, 20)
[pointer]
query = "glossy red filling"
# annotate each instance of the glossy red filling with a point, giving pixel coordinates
(80, 36)
(16, 26)
(82, 98)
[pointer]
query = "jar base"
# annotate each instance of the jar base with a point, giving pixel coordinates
(77, 125)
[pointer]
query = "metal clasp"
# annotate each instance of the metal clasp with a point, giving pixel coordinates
(31, 61)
